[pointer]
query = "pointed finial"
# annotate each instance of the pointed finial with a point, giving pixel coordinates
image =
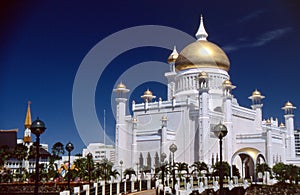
(173, 56)
(201, 33)
(28, 121)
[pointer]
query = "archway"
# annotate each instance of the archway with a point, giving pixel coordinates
(246, 159)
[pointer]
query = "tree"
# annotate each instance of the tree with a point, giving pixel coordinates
(225, 168)
(129, 171)
(5, 154)
(264, 167)
(235, 171)
(20, 153)
(182, 168)
(57, 150)
(198, 167)
(280, 171)
(104, 170)
(293, 172)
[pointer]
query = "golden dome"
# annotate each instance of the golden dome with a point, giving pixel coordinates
(202, 54)
(256, 93)
(227, 83)
(203, 74)
(121, 86)
(281, 125)
(173, 56)
(148, 93)
(288, 104)
(268, 122)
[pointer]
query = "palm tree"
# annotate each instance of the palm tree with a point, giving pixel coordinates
(198, 167)
(104, 170)
(225, 169)
(264, 167)
(182, 168)
(129, 171)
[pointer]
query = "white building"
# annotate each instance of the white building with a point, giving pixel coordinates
(100, 152)
(200, 96)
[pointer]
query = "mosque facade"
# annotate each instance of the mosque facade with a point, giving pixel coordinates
(200, 96)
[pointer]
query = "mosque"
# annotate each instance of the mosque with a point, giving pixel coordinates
(200, 96)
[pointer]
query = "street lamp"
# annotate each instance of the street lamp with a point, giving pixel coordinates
(220, 131)
(37, 127)
(173, 149)
(69, 148)
(89, 158)
(121, 163)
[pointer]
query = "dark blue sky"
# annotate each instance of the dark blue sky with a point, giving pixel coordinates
(42, 44)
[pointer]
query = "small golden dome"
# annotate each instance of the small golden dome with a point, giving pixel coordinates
(268, 122)
(203, 74)
(148, 92)
(202, 54)
(281, 125)
(289, 104)
(256, 93)
(227, 83)
(173, 56)
(121, 86)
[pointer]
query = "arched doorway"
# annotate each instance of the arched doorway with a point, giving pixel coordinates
(246, 159)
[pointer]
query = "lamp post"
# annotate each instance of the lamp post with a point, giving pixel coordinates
(37, 127)
(89, 158)
(220, 131)
(121, 163)
(173, 149)
(69, 148)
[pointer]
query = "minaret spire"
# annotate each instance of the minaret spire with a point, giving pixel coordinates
(201, 33)
(28, 121)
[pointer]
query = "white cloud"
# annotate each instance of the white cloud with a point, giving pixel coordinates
(258, 41)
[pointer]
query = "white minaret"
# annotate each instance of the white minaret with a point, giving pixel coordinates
(134, 152)
(289, 122)
(122, 147)
(171, 75)
(227, 107)
(257, 106)
(203, 120)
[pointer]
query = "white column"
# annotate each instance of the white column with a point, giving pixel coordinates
(121, 144)
(289, 121)
(269, 145)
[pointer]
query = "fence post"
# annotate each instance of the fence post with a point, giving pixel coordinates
(125, 190)
(96, 188)
(76, 190)
(103, 188)
(87, 189)
(132, 186)
(110, 188)
(118, 187)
